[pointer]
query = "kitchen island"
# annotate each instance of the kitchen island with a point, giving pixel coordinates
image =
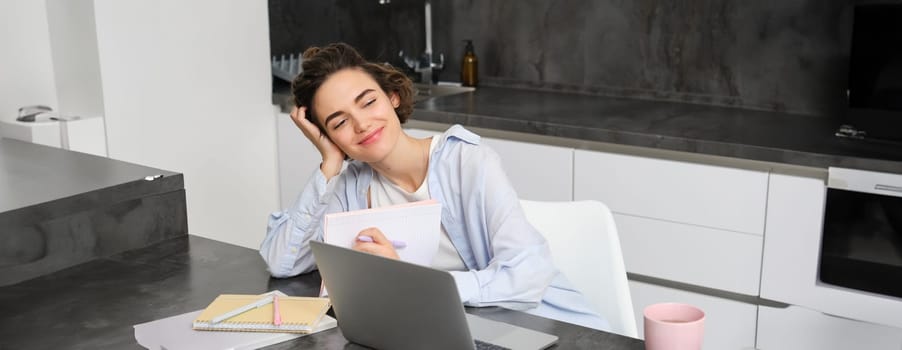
(59, 208)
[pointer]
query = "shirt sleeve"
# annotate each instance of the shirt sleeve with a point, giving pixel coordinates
(521, 267)
(285, 248)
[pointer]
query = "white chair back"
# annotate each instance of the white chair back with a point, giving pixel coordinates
(585, 247)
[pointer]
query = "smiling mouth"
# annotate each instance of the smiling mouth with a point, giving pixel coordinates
(372, 137)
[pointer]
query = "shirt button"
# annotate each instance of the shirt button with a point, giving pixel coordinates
(306, 216)
(294, 249)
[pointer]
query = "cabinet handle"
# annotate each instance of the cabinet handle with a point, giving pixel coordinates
(888, 188)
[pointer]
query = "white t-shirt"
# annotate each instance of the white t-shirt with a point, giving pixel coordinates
(383, 193)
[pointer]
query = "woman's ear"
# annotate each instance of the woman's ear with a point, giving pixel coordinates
(395, 99)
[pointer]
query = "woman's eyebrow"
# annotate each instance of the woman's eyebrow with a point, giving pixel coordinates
(356, 99)
(332, 116)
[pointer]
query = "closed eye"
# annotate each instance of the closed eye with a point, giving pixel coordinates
(337, 125)
(369, 102)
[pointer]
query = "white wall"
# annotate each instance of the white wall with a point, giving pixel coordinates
(186, 87)
(26, 70)
(76, 67)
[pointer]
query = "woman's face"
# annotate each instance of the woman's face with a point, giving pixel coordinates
(358, 116)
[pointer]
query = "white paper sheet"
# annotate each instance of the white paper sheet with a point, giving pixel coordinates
(417, 224)
(175, 333)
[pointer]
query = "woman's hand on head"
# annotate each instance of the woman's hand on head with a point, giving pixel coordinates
(332, 155)
(380, 245)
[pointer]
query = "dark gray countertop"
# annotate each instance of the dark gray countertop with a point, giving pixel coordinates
(60, 208)
(719, 131)
(32, 174)
(94, 305)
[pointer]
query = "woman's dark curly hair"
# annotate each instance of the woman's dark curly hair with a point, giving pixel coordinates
(322, 62)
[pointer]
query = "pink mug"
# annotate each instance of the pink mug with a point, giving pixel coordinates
(673, 326)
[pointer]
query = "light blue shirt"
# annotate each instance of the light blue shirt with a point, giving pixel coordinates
(509, 263)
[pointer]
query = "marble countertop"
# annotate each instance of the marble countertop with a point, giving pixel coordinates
(718, 131)
(94, 305)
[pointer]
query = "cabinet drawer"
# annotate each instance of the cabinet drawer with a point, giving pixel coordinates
(697, 255)
(537, 172)
(729, 325)
(705, 195)
(800, 328)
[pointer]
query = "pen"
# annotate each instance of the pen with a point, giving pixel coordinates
(276, 314)
(268, 299)
(394, 243)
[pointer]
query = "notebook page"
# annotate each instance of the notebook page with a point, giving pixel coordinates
(175, 333)
(417, 224)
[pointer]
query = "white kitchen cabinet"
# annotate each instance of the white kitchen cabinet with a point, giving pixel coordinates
(536, 171)
(691, 254)
(719, 197)
(729, 325)
(796, 328)
(792, 249)
(298, 158)
(686, 222)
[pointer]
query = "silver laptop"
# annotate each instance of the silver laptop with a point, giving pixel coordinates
(390, 304)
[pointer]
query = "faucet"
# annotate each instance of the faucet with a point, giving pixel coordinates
(424, 64)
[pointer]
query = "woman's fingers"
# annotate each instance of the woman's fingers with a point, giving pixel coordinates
(375, 234)
(372, 241)
(299, 116)
(331, 154)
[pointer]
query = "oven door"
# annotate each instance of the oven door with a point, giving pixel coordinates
(800, 240)
(861, 245)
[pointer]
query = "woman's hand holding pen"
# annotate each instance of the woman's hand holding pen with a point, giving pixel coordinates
(372, 241)
(333, 157)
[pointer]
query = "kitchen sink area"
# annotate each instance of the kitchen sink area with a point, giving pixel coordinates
(427, 91)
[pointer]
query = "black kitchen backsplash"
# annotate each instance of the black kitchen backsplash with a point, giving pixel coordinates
(788, 56)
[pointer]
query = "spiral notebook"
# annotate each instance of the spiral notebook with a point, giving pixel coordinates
(299, 314)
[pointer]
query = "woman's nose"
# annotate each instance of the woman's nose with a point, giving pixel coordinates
(360, 124)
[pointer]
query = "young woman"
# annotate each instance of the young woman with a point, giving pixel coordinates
(352, 111)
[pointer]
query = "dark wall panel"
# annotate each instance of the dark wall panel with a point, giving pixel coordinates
(774, 55)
